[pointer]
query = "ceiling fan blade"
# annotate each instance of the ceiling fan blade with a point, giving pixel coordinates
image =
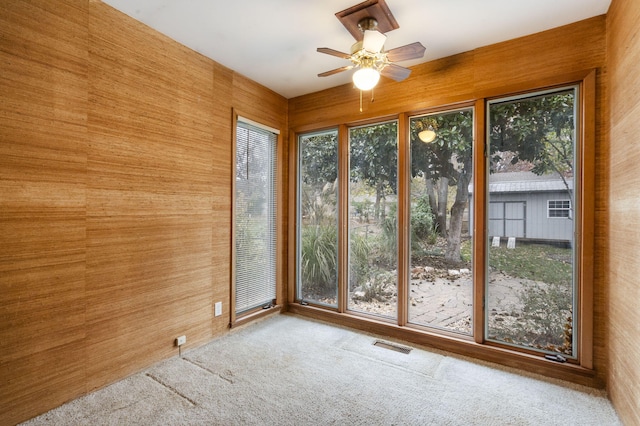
(395, 72)
(404, 53)
(336, 71)
(373, 41)
(333, 52)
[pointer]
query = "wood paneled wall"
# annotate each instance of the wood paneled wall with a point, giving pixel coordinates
(115, 203)
(623, 236)
(533, 61)
(115, 168)
(43, 187)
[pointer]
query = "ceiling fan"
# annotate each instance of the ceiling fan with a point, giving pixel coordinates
(367, 22)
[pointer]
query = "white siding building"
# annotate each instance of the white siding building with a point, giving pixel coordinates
(527, 206)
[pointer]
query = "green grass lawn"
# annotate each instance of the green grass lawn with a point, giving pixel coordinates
(538, 262)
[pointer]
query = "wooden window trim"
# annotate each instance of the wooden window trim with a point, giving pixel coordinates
(480, 231)
(344, 179)
(584, 205)
(255, 314)
(581, 371)
(586, 218)
(278, 304)
(343, 218)
(533, 364)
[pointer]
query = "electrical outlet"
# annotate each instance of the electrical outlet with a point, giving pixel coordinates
(218, 309)
(181, 340)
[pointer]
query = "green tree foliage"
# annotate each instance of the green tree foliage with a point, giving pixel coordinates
(448, 160)
(374, 160)
(537, 130)
(319, 156)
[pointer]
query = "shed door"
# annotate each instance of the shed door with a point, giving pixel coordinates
(507, 219)
(496, 219)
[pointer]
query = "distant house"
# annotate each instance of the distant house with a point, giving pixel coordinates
(527, 206)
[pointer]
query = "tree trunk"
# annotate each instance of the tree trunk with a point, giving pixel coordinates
(443, 199)
(431, 193)
(457, 214)
(378, 211)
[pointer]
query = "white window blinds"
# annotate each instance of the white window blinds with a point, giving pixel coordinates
(255, 217)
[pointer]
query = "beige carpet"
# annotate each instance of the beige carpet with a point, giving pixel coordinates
(287, 370)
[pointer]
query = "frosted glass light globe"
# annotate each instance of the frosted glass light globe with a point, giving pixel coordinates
(427, 136)
(366, 78)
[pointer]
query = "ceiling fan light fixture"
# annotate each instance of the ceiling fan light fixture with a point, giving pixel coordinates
(366, 78)
(368, 22)
(373, 41)
(427, 135)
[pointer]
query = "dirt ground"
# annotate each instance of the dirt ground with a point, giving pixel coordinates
(441, 296)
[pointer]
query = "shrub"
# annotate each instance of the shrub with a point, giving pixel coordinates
(359, 254)
(546, 316)
(422, 226)
(380, 286)
(319, 256)
(544, 320)
(422, 231)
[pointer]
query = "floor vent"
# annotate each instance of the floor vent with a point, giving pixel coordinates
(392, 346)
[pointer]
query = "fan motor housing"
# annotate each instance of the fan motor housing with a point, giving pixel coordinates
(367, 24)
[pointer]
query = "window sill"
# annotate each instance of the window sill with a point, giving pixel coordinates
(522, 362)
(255, 315)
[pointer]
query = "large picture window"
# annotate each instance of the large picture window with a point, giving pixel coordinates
(462, 225)
(531, 290)
(255, 217)
(441, 281)
(373, 219)
(318, 218)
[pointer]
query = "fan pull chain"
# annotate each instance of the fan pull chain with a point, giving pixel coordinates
(372, 98)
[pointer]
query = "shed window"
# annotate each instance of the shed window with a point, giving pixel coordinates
(559, 208)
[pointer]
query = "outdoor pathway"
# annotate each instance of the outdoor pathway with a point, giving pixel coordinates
(443, 299)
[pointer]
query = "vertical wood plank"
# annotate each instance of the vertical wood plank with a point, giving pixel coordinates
(43, 144)
(115, 162)
(343, 219)
(149, 196)
(222, 194)
(404, 222)
(621, 241)
(479, 219)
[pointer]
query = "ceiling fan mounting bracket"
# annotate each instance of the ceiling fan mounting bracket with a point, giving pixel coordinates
(370, 9)
(367, 24)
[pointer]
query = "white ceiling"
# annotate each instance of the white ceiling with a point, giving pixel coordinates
(274, 42)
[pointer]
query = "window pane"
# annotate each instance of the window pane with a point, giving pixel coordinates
(373, 235)
(441, 286)
(255, 217)
(559, 208)
(530, 293)
(318, 218)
